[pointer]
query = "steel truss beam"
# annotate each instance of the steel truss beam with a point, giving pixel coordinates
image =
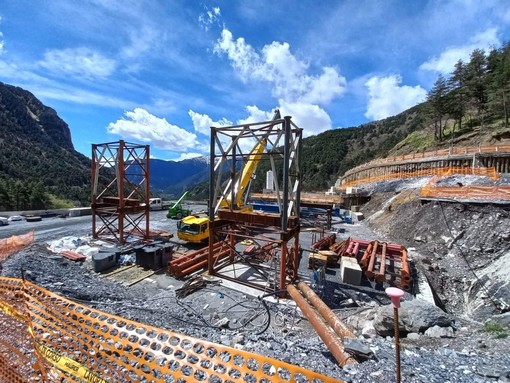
(120, 191)
(231, 145)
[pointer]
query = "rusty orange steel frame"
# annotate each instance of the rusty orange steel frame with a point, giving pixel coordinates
(48, 338)
(120, 191)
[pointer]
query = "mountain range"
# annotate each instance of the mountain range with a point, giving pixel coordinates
(175, 177)
(39, 166)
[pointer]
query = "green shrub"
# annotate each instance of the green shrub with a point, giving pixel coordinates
(496, 329)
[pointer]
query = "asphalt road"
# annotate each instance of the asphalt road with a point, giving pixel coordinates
(52, 228)
(49, 228)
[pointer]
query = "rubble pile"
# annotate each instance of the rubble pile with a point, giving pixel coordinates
(461, 248)
(465, 343)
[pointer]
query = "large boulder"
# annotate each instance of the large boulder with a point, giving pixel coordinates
(413, 316)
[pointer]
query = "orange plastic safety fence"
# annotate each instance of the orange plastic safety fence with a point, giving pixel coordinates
(17, 363)
(436, 153)
(112, 349)
(442, 172)
(15, 243)
(467, 192)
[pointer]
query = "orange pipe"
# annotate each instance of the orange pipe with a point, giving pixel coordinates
(328, 336)
(336, 324)
(382, 268)
(370, 269)
(364, 259)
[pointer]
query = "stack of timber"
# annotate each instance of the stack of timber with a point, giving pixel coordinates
(323, 258)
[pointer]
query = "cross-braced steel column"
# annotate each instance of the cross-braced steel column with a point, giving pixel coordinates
(120, 191)
(278, 142)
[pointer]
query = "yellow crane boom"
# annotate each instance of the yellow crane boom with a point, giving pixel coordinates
(243, 181)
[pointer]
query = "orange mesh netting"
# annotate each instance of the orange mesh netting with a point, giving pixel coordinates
(484, 193)
(15, 243)
(441, 172)
(66, 342)
(433, 154)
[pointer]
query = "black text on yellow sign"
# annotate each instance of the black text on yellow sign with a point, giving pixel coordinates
(68, 365)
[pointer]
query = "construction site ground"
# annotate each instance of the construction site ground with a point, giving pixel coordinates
(221, 312)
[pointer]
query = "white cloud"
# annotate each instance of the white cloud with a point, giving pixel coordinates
(142, 41)
(211, 16)
(202, 122)
(12, 71)
(386, 98)
(255, 115)
(311, 118)
(299, 93)
(50, 90)
(162, 106)
(278, 66)
(2, 41)
(446, 61)
(145, 127)
(79, 96)
(81, 62)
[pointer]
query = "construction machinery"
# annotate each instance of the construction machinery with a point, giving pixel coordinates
(195, 228)
(177, 211)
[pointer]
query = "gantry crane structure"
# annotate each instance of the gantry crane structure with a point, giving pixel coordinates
(120, 191)
(275, 235)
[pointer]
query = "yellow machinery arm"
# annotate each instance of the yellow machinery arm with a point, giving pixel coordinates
(246, 176)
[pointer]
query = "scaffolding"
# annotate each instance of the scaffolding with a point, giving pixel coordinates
(120, 191)
(274, 237)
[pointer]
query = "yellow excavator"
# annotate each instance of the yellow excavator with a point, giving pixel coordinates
(195, 228)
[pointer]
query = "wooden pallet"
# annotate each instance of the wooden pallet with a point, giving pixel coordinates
(129, 275)
(322, 258)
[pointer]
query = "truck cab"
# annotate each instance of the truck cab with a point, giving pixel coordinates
(194, 228)
(158, 204)
(155, 204)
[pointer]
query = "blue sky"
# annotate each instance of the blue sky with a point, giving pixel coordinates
(162, 72)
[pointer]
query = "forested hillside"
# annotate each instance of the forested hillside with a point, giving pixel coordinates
(38, 163)
(468, 108)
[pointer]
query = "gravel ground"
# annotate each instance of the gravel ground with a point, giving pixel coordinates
(472, 355)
